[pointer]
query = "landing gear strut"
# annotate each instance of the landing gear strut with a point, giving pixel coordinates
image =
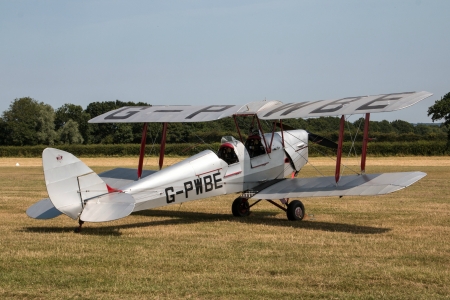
(240, 207)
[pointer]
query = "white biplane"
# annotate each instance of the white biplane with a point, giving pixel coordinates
(262, 167)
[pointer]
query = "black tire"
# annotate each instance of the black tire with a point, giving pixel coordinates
(295, 210)
(240, 207)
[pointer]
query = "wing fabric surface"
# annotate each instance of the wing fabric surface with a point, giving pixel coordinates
(170, 114)
(120, 177)
(43, 210)
(264, 109)
(354, 185)
(108, 207)
(344, 106)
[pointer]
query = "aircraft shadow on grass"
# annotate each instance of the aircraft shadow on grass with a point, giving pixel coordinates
(186, 217)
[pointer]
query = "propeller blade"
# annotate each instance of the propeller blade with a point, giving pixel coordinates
(317, 139)
(285, 127)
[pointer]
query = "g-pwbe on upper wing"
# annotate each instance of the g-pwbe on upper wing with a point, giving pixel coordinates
(264, 109)
(344, 106)
(170, 114)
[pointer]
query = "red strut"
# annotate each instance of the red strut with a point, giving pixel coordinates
(142, 150)
(339, 149)
(365, 141)
(237, 127)
(268, 150)
(163, 145)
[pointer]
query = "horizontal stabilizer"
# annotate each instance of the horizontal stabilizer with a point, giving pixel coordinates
(354, 185)
(120, 177)
(43, 210)
(108, 207)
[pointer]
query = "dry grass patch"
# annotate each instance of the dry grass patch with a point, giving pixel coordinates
(395, 246)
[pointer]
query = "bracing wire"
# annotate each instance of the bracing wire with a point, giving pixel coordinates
(201, 140)
(352, 147)
(323, 153)
(153, 144)
(353, 139)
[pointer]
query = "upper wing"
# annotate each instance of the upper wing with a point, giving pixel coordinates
(344, 106)
(264, 109)
(354, 185)
(180, 113)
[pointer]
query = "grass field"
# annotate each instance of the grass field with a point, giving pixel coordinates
(395, 246)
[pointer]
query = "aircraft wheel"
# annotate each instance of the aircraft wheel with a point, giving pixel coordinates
(240, 207)
(295, 210)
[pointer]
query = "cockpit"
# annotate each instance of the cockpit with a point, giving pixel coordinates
(254, 146)
(227, 150)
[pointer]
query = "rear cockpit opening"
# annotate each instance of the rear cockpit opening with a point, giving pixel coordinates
(254, 145)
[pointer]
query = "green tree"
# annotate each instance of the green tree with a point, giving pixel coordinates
(69, 133)
(402, 126)
(29, 122)
(441, 110)
(4, 133)
(75, 113)
(382, 126)
(123, 134)
(422, 129)
(45, 129)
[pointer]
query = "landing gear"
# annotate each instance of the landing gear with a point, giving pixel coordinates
(240, 207)
(78, 229)
(295, 210)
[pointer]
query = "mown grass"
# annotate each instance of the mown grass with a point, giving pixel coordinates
(395, 246)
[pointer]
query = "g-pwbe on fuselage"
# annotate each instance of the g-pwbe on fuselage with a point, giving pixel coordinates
(257, 167)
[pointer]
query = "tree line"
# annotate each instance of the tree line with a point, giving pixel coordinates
(30, 122)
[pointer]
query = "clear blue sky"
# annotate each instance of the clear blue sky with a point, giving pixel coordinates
(223, 52)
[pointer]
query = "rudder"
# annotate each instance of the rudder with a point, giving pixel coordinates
(69, 181)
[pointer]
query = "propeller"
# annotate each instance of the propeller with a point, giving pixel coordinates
(317, 139)
(312, 137)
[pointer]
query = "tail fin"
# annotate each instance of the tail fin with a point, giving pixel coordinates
(69, 181)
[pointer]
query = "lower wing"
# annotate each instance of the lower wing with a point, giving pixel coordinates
(354, 185)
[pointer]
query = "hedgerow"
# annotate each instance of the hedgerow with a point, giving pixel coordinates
(419, 148)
